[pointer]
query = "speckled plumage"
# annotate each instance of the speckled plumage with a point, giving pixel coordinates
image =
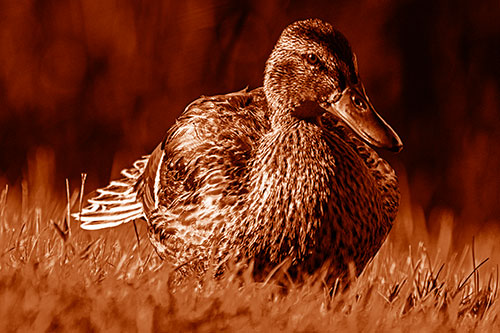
(275, 173)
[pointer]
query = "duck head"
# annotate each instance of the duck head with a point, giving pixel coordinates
(312, 70)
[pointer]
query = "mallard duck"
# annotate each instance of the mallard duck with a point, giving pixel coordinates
(282, 172)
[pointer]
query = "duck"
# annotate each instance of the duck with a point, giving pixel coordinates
(286, 172)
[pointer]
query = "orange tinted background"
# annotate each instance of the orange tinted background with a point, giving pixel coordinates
(97, 83)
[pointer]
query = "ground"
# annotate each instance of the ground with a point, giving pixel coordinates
(57, 277)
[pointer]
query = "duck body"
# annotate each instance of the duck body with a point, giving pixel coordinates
(242, 176)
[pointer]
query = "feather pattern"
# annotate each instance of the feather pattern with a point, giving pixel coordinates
(116, 203)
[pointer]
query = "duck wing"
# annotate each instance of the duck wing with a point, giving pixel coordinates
(199, 170)
(116, 203)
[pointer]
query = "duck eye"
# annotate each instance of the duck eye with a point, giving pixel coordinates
(312, 59)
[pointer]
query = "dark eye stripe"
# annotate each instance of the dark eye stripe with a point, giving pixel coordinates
(342, 81)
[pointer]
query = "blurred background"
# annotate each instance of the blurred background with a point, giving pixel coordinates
(90, 85)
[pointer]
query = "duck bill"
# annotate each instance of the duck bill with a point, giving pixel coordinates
(354, 108)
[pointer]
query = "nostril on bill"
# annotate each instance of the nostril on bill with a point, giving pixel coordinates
(358, 102)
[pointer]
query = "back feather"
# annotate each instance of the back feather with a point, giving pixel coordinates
(116, 203)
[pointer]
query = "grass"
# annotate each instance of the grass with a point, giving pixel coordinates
(56, 277)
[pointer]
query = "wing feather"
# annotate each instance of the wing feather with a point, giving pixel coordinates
(116, 203)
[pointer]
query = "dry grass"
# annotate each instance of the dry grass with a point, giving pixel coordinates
(56, 277)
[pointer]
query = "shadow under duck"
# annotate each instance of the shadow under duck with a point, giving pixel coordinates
(282, 172)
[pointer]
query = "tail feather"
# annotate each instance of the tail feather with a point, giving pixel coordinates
(116, 203)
